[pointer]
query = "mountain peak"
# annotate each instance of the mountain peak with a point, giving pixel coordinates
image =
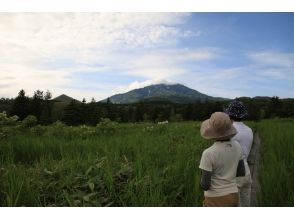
(173, 92)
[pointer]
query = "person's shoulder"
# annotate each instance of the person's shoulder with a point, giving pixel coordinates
(236, 144)
(247, 127)
(208, 150)
(242, 128)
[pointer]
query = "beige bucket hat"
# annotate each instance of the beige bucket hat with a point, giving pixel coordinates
(218, 127)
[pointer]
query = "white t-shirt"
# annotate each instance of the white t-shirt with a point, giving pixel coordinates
(245, 138)
(222, 160)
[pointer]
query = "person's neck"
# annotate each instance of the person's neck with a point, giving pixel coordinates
(222, 140)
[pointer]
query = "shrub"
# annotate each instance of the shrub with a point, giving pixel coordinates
(107, 126)
(30, 121)
(5, 120)
(86, 131)
(38, 130)
(176, 118)
(58, 124)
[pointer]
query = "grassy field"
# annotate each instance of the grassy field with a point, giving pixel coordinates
(127, 165)
(277, 162)
(119, 165)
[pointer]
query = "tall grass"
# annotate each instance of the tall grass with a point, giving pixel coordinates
(134, 165)
(277, 162)
(129, 165)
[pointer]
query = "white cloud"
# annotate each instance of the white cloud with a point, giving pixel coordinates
(273, 65)
(36, 47)
(162, 66)
(170, 56)
(19, 77)
(137, 85)
(262, 75)
(35, 36)
(168, 63)
(270, 58)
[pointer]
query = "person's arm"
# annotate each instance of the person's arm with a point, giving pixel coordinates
(205, 180)
(206, 168)
(240, 168)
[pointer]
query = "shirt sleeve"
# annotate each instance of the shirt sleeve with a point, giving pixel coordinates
(206, 162)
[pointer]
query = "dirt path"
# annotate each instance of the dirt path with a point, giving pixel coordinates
(253, 161)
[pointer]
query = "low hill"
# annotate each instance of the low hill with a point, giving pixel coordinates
(64, 98)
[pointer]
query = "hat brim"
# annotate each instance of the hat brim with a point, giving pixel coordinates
(207, 132)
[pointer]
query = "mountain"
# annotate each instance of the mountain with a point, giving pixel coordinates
(64, 98)
(262, 97)
(176, 93)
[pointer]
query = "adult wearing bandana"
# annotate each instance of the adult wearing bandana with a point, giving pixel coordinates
(237, 112)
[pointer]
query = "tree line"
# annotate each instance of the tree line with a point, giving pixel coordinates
(48, 111)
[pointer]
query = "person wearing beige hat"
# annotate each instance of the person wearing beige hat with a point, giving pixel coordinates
(221, 163)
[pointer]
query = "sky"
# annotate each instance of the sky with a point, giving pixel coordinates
(87, 55)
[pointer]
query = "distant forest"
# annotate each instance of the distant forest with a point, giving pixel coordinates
(48, 111)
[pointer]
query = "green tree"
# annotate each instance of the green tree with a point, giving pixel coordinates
(48, 95)
(46, 117)
(36, 106)
(273, 107)
(93, 100)
(72, 114)
(21, 105)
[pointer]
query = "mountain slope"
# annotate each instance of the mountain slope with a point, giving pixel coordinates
(176, 93)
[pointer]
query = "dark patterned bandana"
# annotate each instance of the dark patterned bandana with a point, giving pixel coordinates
(236, 109)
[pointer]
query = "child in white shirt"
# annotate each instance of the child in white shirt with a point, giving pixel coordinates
(220, 163)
